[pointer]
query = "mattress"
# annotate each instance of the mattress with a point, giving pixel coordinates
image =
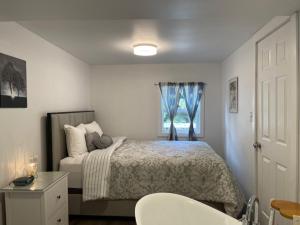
(73, 165)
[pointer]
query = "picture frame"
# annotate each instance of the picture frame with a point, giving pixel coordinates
(233, 86)
(13, 82)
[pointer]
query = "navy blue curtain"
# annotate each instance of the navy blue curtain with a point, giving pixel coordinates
(192, 93)
(170, 94)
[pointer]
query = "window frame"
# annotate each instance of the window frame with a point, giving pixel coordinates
(201, 135)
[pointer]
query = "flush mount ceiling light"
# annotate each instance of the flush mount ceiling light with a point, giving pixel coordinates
(144, 49)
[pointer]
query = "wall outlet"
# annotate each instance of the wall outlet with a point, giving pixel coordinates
(296, 220)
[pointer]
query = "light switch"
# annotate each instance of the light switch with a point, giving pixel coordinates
(251, 117)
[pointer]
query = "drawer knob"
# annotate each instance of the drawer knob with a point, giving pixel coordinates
(59, 220)
(58, 196)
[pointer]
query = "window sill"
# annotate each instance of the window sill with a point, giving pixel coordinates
(181, 136)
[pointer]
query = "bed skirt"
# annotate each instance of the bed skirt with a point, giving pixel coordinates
(121, 208)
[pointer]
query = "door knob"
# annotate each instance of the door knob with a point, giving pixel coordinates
(257, 145)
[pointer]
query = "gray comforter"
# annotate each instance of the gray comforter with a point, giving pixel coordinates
(192, 169)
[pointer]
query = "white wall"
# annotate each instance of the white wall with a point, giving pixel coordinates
(56, 81)
(127, 102)
(239, 129)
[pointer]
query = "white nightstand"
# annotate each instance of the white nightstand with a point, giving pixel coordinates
(45, 202)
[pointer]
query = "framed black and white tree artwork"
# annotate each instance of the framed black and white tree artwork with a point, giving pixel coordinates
(13, 88)
(233, 95)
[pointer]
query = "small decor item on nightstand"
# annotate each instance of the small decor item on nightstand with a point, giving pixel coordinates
(23, 181)
(32, 169)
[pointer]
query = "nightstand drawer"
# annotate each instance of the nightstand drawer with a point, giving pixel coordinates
(61, 217)
(56, 197)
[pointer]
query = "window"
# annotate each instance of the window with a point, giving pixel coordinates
(182, 120)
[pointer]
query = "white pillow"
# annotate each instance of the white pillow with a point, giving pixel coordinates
(93, 127)
(75, 138)
(81, 127)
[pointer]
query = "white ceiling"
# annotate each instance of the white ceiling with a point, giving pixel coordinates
(103, 31)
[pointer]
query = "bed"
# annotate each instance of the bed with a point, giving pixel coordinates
(109, 182)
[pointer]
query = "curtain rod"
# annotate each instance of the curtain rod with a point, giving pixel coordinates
(156, 84)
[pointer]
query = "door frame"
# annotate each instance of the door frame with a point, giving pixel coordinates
(270, 28)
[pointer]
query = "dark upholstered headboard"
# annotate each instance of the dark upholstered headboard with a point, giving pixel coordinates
(56, 140)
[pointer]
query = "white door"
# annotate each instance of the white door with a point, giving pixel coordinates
(277, 120)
